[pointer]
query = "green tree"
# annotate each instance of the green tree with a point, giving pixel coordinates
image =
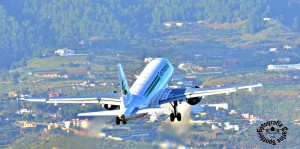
(15, 76)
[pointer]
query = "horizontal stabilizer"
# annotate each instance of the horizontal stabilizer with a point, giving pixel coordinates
(101, 113)
(153, 110)
(109, 99)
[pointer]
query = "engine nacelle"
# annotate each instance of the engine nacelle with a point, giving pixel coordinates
(195, 87)
(193, 101)
(110, 107)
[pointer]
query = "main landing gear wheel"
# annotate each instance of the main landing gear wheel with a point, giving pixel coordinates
(178, 115)
(172, 117)
(118, 121)
(175, 114)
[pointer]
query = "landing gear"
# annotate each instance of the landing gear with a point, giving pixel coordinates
(172, 117)
(178, 115)
(118, 120)
(175, 114)
(124, 122)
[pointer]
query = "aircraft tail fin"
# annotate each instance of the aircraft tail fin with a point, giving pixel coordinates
(126, 95)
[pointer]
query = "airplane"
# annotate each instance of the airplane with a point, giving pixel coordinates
(273, 130)
(145, 96)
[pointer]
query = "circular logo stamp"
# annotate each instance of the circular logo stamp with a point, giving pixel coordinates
(272, 132)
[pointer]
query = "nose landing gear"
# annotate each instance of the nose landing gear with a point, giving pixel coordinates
(119, 119)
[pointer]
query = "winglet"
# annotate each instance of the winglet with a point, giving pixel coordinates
(126, 95)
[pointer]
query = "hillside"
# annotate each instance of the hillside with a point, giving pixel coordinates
(32, 28)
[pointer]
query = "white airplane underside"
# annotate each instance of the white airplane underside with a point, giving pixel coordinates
(145, 96)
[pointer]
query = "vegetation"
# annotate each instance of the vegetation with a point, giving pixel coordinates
(60, 141)
(116, 31)
(31, 28)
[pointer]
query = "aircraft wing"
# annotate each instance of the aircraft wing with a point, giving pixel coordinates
(181, 94)
(110, 98)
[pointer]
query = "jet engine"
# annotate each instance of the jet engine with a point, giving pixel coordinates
(193, 101)
(110, 107)
(195, 87)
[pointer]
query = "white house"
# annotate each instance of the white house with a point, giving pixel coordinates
(218, 106)
(148, 59)
(273, 49)
(245, 115)
(227, 126)
(21, 111)
(64, 52)
(288, 47)
(266, 19)
(179, 24)
(167, 24)
(214, 127)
